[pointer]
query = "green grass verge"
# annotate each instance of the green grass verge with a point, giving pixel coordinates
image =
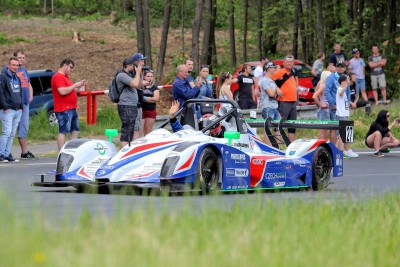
(254, 232)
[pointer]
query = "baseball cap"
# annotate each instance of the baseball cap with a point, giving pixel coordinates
(289, 57)
(269, 65)
(138, 56)
(340, 63)
(355, 50)
(128, 61)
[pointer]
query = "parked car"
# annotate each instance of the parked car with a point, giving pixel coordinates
(42, 95)
(306, 89)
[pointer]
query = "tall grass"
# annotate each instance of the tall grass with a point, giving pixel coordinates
(253, 232)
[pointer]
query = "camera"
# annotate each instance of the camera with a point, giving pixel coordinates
(144, 68)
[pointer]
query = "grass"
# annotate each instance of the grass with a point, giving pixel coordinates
(254, 232)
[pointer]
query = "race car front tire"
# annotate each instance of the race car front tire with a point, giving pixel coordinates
(321, 168)
(208, 171)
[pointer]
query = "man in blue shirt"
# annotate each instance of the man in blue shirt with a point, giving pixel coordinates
(10, 108)
(182, 90)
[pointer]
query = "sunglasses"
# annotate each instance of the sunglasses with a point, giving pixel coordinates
(71, 66)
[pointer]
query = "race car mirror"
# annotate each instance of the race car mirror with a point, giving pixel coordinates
(346, 131)
(231, 135)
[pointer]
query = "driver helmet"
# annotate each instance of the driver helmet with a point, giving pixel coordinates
(206, 119)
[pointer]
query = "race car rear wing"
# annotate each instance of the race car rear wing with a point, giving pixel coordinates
(346, 128)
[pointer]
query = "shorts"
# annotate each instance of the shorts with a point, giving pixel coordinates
(68, 121)
(288, 111)
(149, 114)
(360, 84)
(332, 114)
(128, 115)
(323, 114)
(378, 80)
(272, 113)
(138, 120)
(339, 118)
(246, 103)
(23, 126)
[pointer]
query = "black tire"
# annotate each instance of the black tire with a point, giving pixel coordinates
(321, 168)
(51, 115)
(208, 171)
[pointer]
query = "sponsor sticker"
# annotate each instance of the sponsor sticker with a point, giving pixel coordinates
(257, 161)
(238, 156)
(100, 148)
(275, 175)
(278, 184)
(232, 172)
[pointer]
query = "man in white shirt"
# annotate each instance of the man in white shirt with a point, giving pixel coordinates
(258, 74)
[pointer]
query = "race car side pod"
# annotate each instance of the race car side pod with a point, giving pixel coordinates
(346, 128)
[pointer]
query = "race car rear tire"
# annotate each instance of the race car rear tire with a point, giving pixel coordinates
(321, 168)
(208, 171)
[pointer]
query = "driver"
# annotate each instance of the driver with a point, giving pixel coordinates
(205, 120)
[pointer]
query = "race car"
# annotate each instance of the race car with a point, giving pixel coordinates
(200, 158)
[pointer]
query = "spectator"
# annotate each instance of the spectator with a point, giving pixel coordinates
(10, 108)
(190, 65)
(182, 90)
(377, 62)
(285, 80)
(224, 86)
(355, 101)
(27, 96)
(138, 59)
(269, 93)
(151, 96)
(128, 100)
(206, 91)
(379, 136)
(246, 93)
(338, 56)
(331, 86)
(65, 101)
(343, 112)
(357, 66)
(258, 74)
(317, 68)
(321, 102)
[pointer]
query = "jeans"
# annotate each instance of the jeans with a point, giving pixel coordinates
(10, 121)
(271, 112)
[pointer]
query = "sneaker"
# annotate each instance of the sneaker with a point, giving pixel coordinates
(386, 150)
(378, 154)
(350, 154)
(11, 159)
(3, 159)
(368, 109)
(28, 155)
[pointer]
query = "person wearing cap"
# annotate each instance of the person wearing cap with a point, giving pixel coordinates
(128, 100)
(343, 112)
(357, 66)
(258, 74)
(331, 86)
(285, 80)
(66, 101)
(338, 55)
(269, 92)
(182, 89)
(377, 62)
(138, 59)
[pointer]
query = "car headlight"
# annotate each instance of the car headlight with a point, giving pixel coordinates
(302, 89)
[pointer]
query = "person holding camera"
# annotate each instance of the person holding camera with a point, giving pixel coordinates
(128, 80)
(379, 136)
(66, 101)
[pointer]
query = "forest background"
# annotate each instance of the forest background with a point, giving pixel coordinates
(220, 33)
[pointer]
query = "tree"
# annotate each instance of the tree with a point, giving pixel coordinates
(245, 21)
(196, 33)
(164, 38)
(139, 26)
(208, 47)
(259, 27)
(320, 27)
(295, 39)
(147, 37)
(232, 33)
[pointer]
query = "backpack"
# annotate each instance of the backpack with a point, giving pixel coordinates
(113, 91)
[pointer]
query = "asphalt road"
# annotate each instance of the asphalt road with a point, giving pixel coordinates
(364, 176)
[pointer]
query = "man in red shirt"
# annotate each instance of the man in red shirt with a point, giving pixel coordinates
(65, 101)
(286, 81)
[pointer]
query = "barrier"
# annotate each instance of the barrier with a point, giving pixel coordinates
(308, 112)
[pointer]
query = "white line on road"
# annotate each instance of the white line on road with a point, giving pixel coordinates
(44, 163)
